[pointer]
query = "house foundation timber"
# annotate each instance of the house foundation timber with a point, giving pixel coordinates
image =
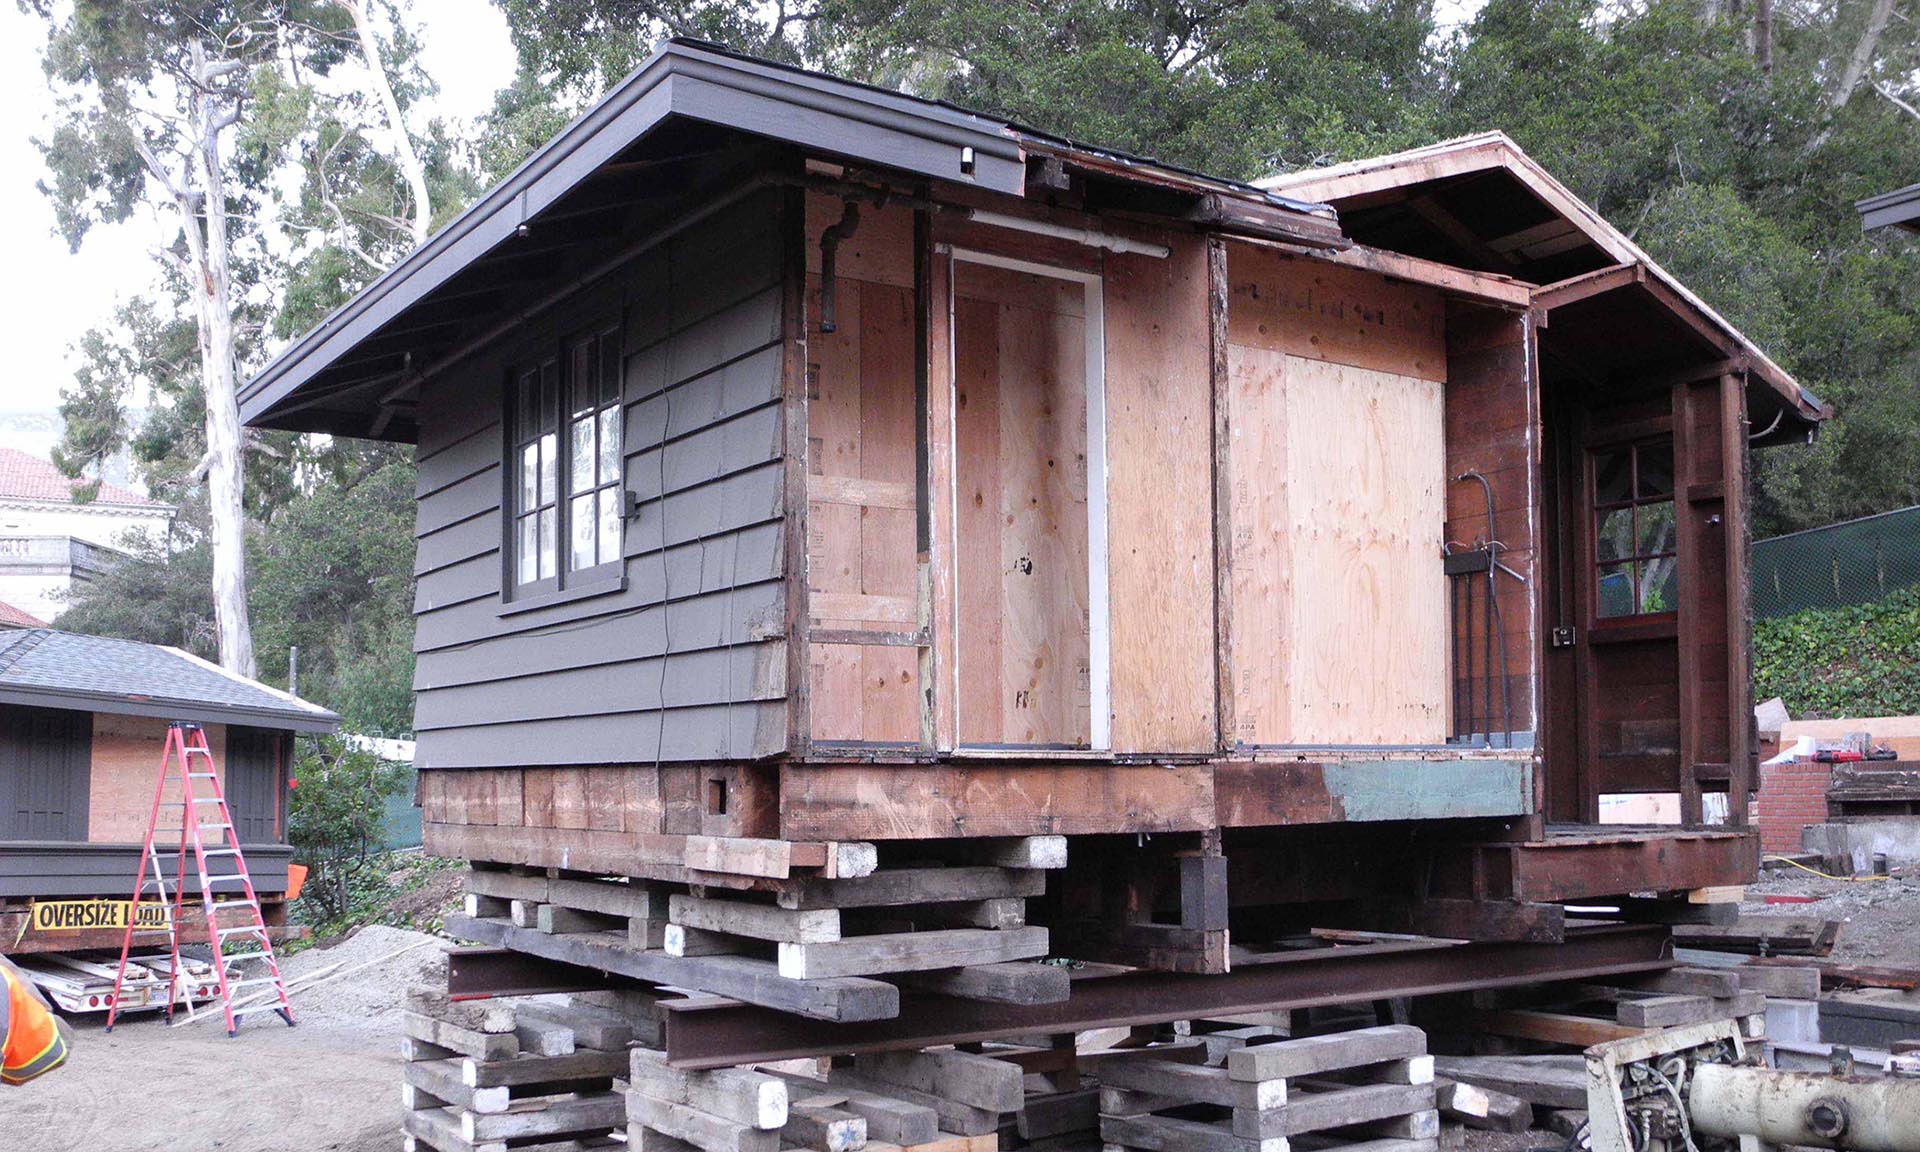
(866, 547)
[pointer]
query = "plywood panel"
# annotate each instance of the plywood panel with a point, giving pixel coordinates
(126, 767)
(1341, 315)
(1159, 482)
(863, 565)
(1024, 544)
(1340, 611)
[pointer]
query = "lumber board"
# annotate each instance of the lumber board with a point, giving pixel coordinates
(598, 1114)
(955, 1117)
(703, 1130)
(635, 898)
(910, 952)
(1544, 1081)
(1337, 1107)
(760, 921)
(742, 978)
(581, 1064)
(757, 1099)
(466, 1041)
(1553, 1027)
(1173, 1134)
(1315, 1054)
(744, 856)
(1141, 1071)
(506, 885)
(888, 1119)
(1014, 982)
(899, 886)
(977, 1081)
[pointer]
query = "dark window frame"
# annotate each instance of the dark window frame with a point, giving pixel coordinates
(33, 740)
(1635, 558)
(558, 385)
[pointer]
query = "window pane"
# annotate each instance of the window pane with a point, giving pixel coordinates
(528, 547)
(1656, 527)
(610, 368)
(529, 478)
(609, 524)
(581, 532)
(528, 395)
(549, 547)
(1656, 470)
(1612, 477)
(1615, 537)
(1658, 588)
(1616, 590)
(580, 464)
(549, 465)
(609, 445)
(580, 375)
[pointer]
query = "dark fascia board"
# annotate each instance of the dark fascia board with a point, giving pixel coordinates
(199, 712)
(679, 79)
(1899, 208)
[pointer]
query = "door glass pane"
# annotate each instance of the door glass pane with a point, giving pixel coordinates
(582, 531)
(1658, 592)
(548, 527)
(1656, 528)
(581, 464)
(1612, 476)
(528, 549)
(1656, 470)
(609, 445)
(1615, 538)
(1616, 590)
(609, 524)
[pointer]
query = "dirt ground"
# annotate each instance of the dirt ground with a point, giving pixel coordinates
(1882, 917)
(331, 1084)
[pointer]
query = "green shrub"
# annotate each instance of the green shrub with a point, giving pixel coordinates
(1857, 661)
(334, 816)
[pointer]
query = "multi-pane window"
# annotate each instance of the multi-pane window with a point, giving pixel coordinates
(1634, 533)
(566, 460)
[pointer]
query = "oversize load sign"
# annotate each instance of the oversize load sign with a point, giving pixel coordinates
(80, 915)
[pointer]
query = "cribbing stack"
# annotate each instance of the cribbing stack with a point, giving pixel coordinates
(242, 939)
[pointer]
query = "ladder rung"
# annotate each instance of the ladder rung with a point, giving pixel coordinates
(203, 775)
(270, 1006)
(220, 852)
(252, 980)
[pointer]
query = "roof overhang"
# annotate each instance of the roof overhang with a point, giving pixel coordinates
(1899, 208)
(344, 376)
(198, 711)
(1575, 259)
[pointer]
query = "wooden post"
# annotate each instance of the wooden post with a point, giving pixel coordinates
(793, 389)
(1738, 524)
(1218, 298)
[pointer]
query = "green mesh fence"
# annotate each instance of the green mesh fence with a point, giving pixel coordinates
(1853, 562)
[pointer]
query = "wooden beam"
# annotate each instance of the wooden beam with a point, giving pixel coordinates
(1450, 226)
(1488, 288)
(1587, 285)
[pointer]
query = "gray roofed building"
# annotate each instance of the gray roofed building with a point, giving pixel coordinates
(53, 669)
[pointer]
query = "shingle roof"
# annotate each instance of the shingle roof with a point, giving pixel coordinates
(41, 666)
(11, 617)
(24, 476)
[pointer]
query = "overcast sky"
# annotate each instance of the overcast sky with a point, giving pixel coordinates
(50, 297)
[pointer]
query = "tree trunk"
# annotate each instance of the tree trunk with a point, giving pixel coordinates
(1763, 35)
(214, 306)
(1862, 57)
(408, 159)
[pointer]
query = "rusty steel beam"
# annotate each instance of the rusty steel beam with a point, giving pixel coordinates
(481, 973)
(707, 1034)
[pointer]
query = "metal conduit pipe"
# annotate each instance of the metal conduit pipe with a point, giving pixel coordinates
(1865, 1114)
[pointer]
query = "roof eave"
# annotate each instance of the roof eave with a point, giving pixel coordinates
(199, 711)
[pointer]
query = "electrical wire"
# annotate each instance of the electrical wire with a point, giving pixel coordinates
(1825, 875)
(1679, 1106)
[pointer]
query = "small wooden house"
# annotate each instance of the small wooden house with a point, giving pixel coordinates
(83, 723)
(802, 464)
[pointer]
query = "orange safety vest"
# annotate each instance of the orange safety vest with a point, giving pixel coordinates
(30, 1042)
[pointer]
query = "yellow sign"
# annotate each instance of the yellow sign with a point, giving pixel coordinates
(81, 915)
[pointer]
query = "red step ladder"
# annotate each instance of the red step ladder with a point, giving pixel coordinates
(226, 890)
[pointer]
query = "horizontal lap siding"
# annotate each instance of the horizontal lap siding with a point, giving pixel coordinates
(688, 661)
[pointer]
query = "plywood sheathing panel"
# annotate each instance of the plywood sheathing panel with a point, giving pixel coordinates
(863, 567)
(1341, 315)
(126, 767)
(1020, 437)
(1159, 487)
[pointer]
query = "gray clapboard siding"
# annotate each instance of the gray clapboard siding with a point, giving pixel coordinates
(686, 657)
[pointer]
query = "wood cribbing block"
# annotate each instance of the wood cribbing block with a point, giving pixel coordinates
(960, 1119)
(1014, 982)
(493, 1016)
(1173, 1134)
(1314, 1054)
(1481, 1107)
(542, 1035)
(756, 1099)
(1140, 1070)
(910, 952)
(590, 1027)
(465, 1041)
(506, 885)
(977, 1081)
(889, 1120)
(819, 1123)
(760, 921)
(900, 886)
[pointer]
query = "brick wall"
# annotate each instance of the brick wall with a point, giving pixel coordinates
(1792, 796)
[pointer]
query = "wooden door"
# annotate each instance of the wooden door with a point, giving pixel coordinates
(1029, 564)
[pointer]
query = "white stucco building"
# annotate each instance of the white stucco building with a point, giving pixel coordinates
(48, 543)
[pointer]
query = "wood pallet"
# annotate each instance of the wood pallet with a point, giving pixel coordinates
(814, 944)
(1370, 1087)
(480, 1076)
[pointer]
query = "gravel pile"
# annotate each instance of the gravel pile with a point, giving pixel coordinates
(378, 967)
